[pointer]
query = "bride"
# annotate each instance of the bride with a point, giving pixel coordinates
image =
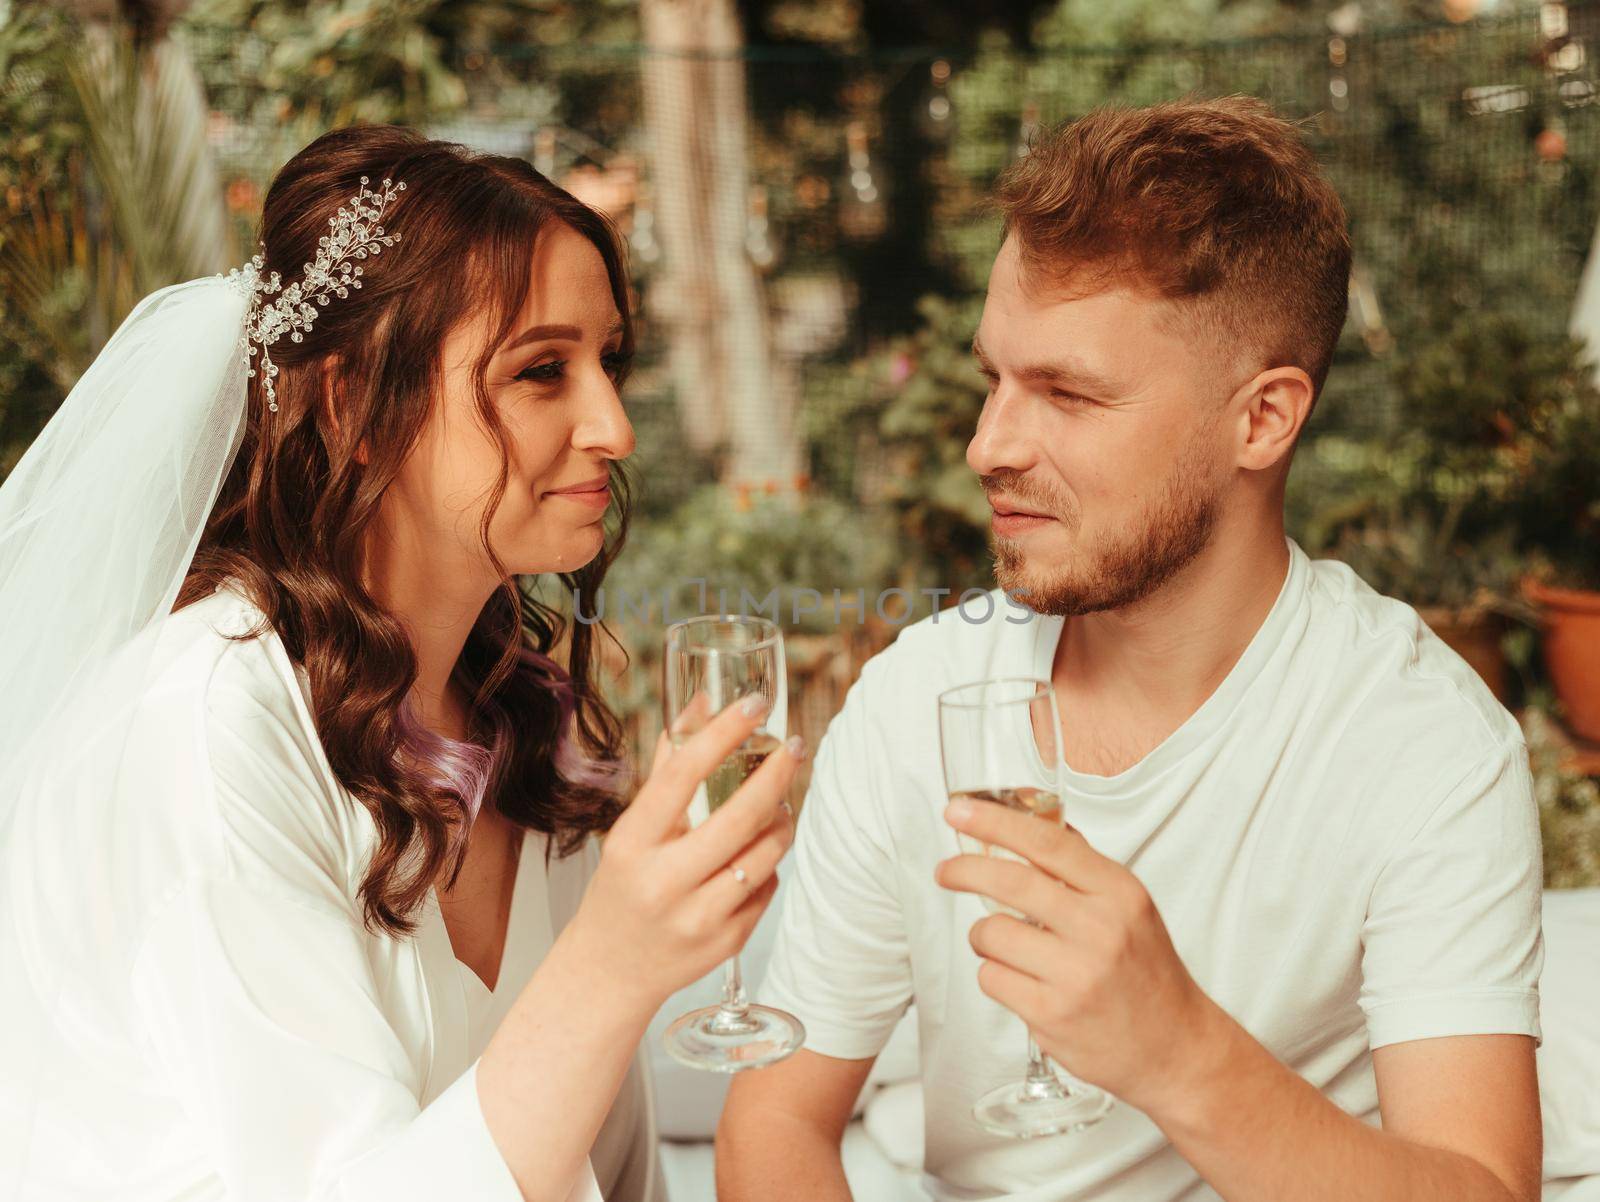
(299, 895)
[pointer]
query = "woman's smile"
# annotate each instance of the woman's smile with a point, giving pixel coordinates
(595, 493)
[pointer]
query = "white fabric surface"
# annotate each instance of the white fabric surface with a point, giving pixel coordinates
(190, 1005)
(1578, 1189)
(690, 1170)
(1342, 840)
(1569, 1061)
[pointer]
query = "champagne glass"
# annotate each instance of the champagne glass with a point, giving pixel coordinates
(1000, 741)
(712, 662)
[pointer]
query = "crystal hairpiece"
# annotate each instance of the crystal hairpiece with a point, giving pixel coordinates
(355, 235)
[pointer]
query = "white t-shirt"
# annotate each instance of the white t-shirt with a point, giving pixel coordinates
(1342, 841)
(190, 1005)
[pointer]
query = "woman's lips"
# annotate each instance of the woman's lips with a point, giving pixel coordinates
(595, 492)
(597, 498)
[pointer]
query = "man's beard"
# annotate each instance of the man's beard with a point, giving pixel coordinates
(1118, 571)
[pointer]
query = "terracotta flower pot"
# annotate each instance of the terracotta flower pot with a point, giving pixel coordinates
(1572, 652)
(1475, 637)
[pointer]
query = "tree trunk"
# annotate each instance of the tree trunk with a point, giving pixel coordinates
(1585, 320)
(711, 299)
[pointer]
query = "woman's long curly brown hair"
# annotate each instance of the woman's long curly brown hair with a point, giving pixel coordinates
(289, 524)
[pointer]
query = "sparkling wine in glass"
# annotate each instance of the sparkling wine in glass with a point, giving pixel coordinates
(1000, 742)
(709, 663)
(1026, 799)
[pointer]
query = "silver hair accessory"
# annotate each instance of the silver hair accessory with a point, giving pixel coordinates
(355, 235)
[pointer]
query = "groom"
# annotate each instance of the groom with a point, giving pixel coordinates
(1293, 925)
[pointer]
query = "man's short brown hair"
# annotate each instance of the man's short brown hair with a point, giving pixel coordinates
(1218, 203)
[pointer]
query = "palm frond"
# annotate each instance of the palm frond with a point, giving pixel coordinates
(146, 210)
(146, 119)
(69, 282)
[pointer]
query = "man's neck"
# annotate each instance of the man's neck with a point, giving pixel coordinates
(1126, 679)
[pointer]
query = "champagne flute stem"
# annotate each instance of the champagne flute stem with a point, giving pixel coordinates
(1041, 1080)
(734, 1003)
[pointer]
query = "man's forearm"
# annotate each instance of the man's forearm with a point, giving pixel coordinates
(1258, 1132)
(778, 1157)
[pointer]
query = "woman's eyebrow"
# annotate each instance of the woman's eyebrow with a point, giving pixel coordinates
(542, 333)
(567, 333)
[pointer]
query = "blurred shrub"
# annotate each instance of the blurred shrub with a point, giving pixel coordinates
(1569, 809)
(1492, 469)
(901, 418)
(747, 543)
(1558, 502)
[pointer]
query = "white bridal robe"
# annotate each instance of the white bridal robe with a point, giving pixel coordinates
(190, 1005)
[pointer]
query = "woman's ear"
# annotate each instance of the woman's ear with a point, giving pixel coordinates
(327, 376)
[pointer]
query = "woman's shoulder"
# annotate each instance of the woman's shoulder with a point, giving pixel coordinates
(278, 812)
(215, 666)
(220, 765)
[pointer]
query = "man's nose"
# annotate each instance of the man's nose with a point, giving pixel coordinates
(1001, 441)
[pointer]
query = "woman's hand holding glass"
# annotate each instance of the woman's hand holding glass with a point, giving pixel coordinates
(709, 664)
(666, 905)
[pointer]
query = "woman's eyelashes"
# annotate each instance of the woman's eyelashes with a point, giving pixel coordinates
(547, 372)
(552, 371)
(617, 364)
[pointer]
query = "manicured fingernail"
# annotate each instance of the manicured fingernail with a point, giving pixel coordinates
(754, 705)
(796, 746)
(957, 812)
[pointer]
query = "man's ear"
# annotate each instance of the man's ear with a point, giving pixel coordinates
(1272, 408)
